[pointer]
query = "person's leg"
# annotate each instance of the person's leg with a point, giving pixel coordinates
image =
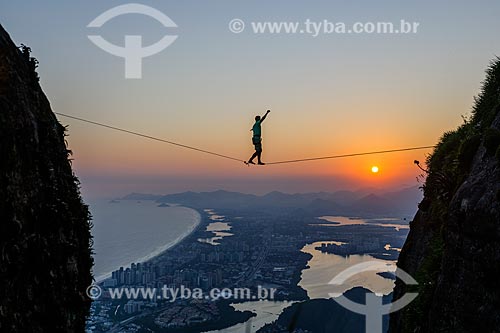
(255, 142)
(253, 156)
(259, 151)
(259, 154)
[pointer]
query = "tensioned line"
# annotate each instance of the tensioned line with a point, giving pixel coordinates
(235, 158)
(352, 155)
(148, 136)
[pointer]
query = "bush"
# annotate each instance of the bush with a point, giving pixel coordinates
(445, 171)
(468, 149)
(32, 62)
(486, 105)
(450, 162)
(491, 140)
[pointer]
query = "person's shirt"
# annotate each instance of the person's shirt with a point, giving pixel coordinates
(256, 128)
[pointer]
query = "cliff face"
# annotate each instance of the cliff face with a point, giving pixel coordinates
(453, 248)
(45, 256)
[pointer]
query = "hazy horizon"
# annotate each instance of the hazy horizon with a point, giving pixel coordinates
(120, 190)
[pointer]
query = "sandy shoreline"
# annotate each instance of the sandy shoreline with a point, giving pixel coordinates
(160, 250)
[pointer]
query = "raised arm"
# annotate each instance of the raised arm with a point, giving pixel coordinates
(264, 116)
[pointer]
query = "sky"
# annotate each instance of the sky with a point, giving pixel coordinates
(330, 94)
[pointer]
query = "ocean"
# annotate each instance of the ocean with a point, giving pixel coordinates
(129, 231)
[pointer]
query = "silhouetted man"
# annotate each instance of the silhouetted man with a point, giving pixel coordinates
(257, 139)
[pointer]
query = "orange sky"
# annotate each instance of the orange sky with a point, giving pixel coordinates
(330, 94)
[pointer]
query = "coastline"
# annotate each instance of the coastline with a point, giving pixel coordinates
(238, 314)
(197, 218)
(203, 221)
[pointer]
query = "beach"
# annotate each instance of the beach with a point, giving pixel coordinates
(127, 231)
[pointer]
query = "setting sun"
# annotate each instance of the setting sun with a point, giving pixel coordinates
(374, 169)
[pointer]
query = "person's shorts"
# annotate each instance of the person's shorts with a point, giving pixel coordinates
(257, 142)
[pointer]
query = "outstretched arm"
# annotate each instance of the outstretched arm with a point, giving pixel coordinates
(264, 116)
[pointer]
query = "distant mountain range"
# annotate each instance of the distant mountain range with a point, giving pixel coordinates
(353, 203)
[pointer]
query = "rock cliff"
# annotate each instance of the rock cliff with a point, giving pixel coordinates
(453, 248)
(45, 255)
